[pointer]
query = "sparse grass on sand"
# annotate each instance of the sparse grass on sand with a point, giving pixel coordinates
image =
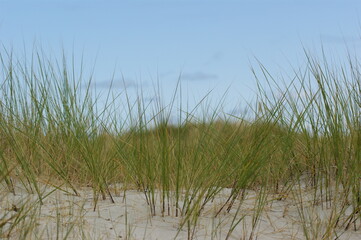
(71, 169)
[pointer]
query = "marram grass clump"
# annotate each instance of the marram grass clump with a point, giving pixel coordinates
(303, 137)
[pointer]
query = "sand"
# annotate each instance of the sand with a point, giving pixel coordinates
(65, 215)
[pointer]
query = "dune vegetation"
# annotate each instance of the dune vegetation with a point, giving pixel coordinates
(300, 142)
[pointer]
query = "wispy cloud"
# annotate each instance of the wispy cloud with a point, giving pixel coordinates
(198, 76)
(216, 57)
(116, 83)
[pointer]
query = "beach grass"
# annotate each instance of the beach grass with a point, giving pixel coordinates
(300, 142)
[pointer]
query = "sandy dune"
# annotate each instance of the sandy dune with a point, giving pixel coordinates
(64, 215)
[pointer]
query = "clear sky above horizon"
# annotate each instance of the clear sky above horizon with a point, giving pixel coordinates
(211, 44)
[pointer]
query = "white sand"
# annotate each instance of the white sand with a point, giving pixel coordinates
(129, 218)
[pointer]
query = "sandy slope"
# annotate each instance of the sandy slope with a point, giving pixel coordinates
(129, 218)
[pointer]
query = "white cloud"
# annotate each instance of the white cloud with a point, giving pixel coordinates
(199, 76)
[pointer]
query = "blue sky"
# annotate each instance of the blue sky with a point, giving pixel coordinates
(212, 44)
